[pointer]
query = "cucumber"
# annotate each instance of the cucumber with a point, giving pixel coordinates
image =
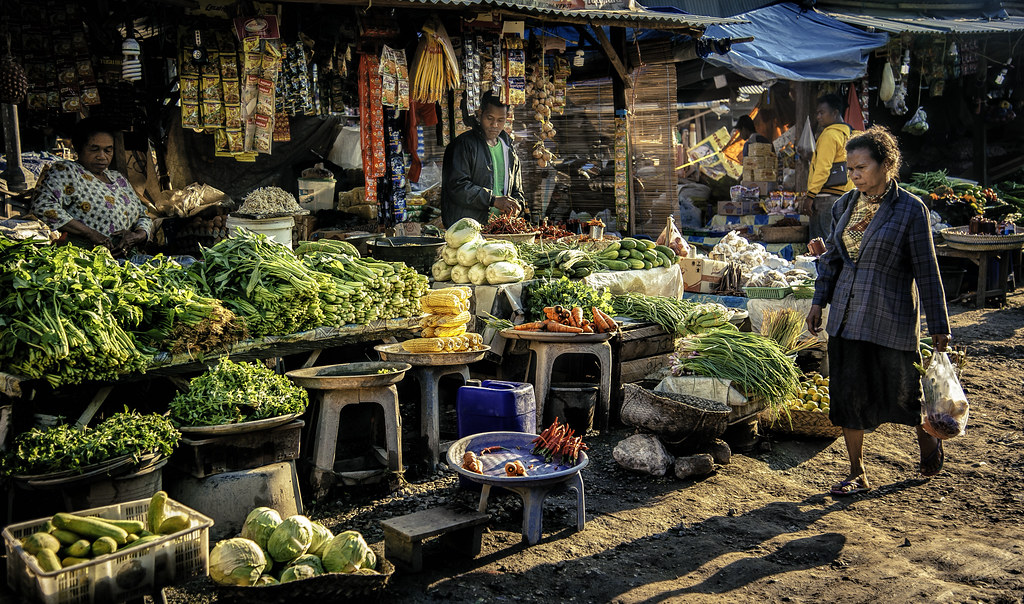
(665, 262)
(130, 526)
(80, 549)
(579, 273)
(628, 244)
(616, 265)
(142, 541)
(72, 561)
(103, 546)
(649, 243)
(637, 254)
(65, 537)
(650, 256)
(155, 515)
(664, 249)
(623, 254)
(89, 527)
(609, 254)
(175, 523)
(648, 265)
(635, 264)
(613, 247)
(37, 542)
(48, 561)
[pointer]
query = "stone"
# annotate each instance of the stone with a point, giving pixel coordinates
(694, 465)
(643, 453)
(720, 452)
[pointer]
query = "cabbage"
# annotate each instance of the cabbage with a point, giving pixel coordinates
(478, 274)
(467, 253)
(321, 537)
(298, 573)
(528, 272)
(504, 272)
(236, 561)
(290, 539)
(348, 552)
(309, 560)
(462, 232)
(450, 255)
(266, 580)
(496, 251)
(441, 270)
(460, 274)
(259, 524)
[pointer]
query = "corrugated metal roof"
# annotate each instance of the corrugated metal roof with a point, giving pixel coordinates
(900, 23)
(714, 8)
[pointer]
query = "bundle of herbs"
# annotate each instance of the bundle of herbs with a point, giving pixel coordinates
(234, 392)
(562, 292)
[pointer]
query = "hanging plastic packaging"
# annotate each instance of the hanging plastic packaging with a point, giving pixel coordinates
(945, 407)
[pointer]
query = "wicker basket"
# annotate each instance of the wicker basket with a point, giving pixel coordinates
(784, 234)
(801, 423)
(328, 587)
(959, 238)
(681, 419)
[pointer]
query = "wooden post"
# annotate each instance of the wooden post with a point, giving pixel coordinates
(980, 166)
(619, 85)
(15, 173)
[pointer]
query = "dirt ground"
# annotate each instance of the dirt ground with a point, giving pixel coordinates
(759, 529)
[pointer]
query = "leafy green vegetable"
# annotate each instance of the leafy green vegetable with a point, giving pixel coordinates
(563, 292)
(236, 392)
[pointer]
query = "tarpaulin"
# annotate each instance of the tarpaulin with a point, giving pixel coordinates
(791, 44)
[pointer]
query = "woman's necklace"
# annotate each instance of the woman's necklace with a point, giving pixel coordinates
(878, 198)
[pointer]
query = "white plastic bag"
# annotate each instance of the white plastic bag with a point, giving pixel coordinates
(945, 407)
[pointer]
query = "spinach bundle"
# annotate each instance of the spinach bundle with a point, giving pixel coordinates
(236, 392)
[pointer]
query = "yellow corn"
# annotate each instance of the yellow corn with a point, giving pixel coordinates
(447, 332)
(428, 332)
(473, 340)
(462, 292)
(424, 345)
(430, 320)
(447, 302)
(453, 320)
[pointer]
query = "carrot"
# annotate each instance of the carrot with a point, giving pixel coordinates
(577, 317)
(535, 326)
(549, 312)
(587, 328)
(611, 325)
(563, 328)
(600, 326)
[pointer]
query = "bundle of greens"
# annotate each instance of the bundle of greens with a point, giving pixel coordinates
(786, 327)
(71, 447)
(236, 392)
(562, 292)
(669, 313)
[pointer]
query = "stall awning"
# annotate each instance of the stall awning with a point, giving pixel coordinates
(794, 44)
(897, 23)
(614, 13)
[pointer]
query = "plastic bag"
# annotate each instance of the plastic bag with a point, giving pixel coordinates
(673, 239)
(918, 124)
(945, 407)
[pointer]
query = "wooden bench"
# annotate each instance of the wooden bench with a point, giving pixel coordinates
(404, 535)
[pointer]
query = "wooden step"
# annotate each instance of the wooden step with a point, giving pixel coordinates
(404, 535)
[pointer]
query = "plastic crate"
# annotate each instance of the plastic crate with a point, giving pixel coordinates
(116, 577)
(768, 293)
(210, 456)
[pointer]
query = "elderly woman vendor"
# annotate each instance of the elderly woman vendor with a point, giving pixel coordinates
(880, 261)
(92, 204)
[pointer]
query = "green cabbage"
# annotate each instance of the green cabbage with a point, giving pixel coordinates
(462, 231)
(478, 274)
(441, 270)
(348, 552)
(321, 537)
(290, 539)
(259, 524)
(266, 580)
(236, 561)
(450, 255)
(467, 253)
(298, 573)
(460, 274)
(504, 272)
(496, 251)
(309, 560)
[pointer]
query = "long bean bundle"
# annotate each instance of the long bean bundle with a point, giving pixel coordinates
(754, 362)
(671, 314)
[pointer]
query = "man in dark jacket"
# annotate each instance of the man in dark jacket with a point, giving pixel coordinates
(481, 169)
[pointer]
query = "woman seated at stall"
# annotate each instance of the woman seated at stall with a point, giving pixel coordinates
(91, 204)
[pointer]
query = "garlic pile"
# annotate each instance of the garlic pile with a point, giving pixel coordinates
(758, 267)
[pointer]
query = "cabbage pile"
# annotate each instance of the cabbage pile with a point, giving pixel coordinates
(273, 550)
(469, 258)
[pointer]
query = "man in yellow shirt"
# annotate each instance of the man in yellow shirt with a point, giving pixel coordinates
(827, 179)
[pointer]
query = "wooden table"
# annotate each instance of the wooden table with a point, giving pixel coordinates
(981, 258)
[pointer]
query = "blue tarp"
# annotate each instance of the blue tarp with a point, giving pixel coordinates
(790, 44)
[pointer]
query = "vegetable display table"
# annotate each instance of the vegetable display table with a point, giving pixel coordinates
(542, 477)
(981, 258)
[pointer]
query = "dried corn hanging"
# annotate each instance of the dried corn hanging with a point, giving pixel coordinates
(435, 70)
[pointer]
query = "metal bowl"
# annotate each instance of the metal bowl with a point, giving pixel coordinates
(349, 375)
(518, 445)
(418, 252)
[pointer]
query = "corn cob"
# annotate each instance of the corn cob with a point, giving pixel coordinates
(463, 292)
(430, 320)
(428, 332)
(447, 332)
(474, 339)
(424, 345)
(446, 302)
(453, 320)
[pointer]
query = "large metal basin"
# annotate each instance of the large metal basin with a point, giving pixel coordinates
(395, 352)
(518, 446)
(349, 375)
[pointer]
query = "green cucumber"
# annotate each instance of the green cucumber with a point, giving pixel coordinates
(89, 527)
(637, 254)
(664, 249)
(628, 244)
(635, 264)
(648, 265)
(649, 243)
(613, 247)
(616, 265)
(650, 256)
(623, 254)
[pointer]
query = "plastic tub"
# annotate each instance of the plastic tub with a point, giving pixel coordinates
(278, 229)
(574, 403)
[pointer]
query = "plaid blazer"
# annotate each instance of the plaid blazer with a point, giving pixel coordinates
(875, 298)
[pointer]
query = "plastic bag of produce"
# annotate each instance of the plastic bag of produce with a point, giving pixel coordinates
(462, 232)
(478, 274)
(450, 255)
(441, 270)
(496, 251)
(467, 253)
(460, 274)
(504, 272)
(945, 407)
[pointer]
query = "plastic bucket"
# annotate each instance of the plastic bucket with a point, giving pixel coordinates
(120, 489)
(573, 403)
(316, 193)
(278, 229)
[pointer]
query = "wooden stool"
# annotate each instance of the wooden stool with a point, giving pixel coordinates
(404, 535)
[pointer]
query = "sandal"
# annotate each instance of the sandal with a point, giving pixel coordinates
(930, 461)
(849, 487)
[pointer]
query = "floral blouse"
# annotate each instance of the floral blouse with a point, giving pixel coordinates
(66, 191)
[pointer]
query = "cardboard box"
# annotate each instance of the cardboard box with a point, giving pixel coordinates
(763, 187)
(760, 150)
(702, 275)
(760, 163)
(765, 176)
(736, 208)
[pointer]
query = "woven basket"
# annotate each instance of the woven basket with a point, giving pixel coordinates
(784, 234)
(801, 423)
(681, 419)
(328, 587)
(959, 238)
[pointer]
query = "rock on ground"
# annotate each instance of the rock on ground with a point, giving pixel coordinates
(643, 453)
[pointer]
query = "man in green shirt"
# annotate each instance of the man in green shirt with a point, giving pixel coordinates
(481, 169)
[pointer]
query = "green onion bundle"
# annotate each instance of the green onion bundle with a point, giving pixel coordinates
(671, 314)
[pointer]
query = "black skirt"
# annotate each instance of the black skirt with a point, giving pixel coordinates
(870, 385)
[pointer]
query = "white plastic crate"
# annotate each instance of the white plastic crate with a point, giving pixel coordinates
(116, 577)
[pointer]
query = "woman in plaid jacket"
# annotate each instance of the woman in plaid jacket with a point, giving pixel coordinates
(880, 258)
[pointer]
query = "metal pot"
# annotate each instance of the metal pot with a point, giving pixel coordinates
(418, 252)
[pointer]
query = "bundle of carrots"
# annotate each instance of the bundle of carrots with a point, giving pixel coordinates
(562, 320)
(558, 441)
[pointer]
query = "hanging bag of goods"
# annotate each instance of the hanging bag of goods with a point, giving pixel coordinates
(436, 69)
